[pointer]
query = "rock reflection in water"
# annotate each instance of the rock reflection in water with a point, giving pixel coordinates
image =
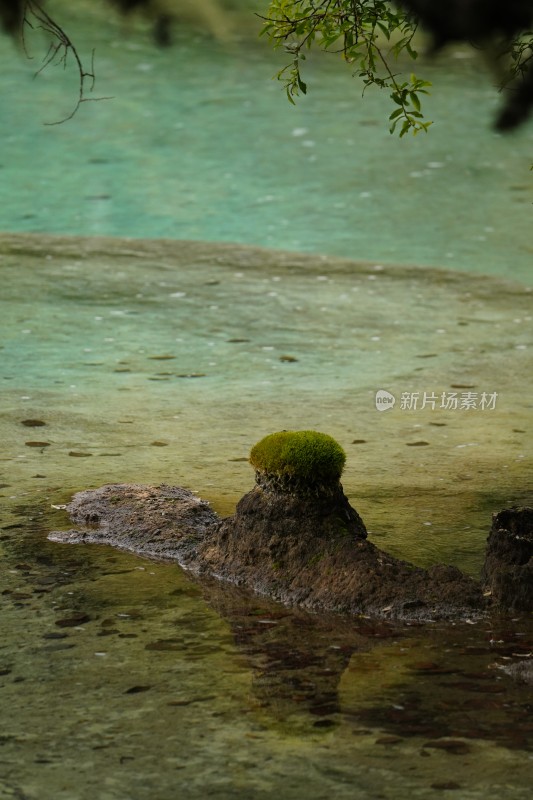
(409, 680)
(172, 682)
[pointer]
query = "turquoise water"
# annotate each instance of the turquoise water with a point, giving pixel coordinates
(198, 142)
(155, 359)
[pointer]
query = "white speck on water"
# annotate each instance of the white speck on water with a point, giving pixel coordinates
(436, 164)
(521, 347)
(365, 194)
(300, 131)
(308, 143)
(178, 294)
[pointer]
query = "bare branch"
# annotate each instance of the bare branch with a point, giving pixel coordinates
(60, 47)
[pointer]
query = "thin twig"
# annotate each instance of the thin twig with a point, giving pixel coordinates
(60, 46)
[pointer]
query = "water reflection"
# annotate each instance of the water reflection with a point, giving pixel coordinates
(124, 663)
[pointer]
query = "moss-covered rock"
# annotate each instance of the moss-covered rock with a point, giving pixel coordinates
(301, 456)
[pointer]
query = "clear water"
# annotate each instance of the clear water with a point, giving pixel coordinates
(164, 361)
(198, 142)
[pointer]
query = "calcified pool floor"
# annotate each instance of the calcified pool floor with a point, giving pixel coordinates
(127, 360)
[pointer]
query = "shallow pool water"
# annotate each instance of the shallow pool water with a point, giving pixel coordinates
(123, 678)
(130, 353)
(127, 360)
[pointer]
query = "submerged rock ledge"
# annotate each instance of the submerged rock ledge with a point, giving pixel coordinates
(305, 547)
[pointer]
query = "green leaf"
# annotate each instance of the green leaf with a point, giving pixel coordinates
(405, 127)
(415, 100)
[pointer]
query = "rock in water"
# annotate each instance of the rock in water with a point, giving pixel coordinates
(158, 521)
(296, 538)
(508, 568)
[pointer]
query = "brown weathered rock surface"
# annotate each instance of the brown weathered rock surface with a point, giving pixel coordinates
(508, 569)
(298, 547)
(158, 521)
(312, 551)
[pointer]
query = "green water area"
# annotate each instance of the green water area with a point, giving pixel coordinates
(186, 268)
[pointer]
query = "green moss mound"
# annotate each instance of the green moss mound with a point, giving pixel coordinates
(300, 455)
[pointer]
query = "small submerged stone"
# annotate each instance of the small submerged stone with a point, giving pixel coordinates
(446, 785)
(455, 747)
(75, 619)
